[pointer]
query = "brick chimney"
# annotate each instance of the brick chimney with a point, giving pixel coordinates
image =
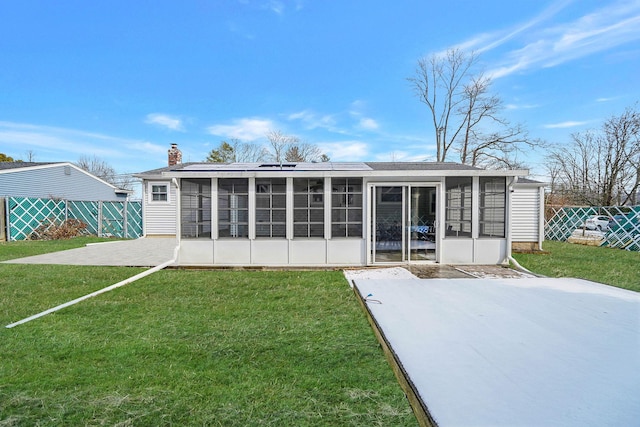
(175, 155)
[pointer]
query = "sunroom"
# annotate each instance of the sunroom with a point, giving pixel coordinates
(331, 214)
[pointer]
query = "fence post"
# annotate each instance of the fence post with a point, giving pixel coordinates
(125, 225)
(100, 218)
(3, 219)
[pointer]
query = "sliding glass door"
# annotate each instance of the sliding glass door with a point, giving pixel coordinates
(403, 223)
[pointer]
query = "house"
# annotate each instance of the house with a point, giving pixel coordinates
(338, 213)
(60, 180)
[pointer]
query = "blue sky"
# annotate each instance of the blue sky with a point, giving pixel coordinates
(122, 80)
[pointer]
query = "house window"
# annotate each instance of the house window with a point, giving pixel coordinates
(195, 208)
(493, 195)
(458, 207)
(308, 207)
(159, 192)
(271, 207)
(346, 207)
(233, 207)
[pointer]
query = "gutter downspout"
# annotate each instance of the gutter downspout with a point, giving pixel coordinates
(175, 182)
(521, 268)
(509, 218)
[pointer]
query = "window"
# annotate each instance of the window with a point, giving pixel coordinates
(458, 207)
(159, 192)
(233, 207)
(271, 207)
(195, 207)
(392, 195)
(493, 195)
(308, 207)
(346, 207)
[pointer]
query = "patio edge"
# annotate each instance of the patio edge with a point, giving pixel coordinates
(418, 407)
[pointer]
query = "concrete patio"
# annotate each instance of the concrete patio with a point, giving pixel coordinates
(516, 352)
(143, 252)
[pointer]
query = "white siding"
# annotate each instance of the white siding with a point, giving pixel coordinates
(525, 214)
(160, 218)
(63, 181)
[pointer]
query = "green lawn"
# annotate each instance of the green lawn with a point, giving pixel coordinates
(613, 267)
(185, 347)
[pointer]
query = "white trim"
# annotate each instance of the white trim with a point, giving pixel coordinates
(150, 185)
(370, 203)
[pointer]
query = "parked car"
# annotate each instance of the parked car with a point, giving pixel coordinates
(597, 222)
(624, 222)
(616, 220)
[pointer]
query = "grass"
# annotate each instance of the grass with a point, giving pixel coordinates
(184, 347)
(613, 267)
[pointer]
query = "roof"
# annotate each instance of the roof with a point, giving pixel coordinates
(9, 167)
(321, 166)
(389, 166)
(20, 165)
(530, 182)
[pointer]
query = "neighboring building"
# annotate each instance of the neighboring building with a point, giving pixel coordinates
(338, 214)
(55, 180)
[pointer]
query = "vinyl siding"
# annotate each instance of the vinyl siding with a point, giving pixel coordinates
(160, 217)
(525, 211)
(58, 181)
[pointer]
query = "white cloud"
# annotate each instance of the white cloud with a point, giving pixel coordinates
(62, 144)
(345, 150)
(246, 129)
(539, 45)
(165, 120)
(312, 120)
(367, 123)
(564, 125)
(487, 41)
(364, 122)
(520, 106)
(276, 7)
(605, 99)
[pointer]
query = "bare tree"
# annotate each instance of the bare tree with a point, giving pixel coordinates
(280, 148)
(463, 112)
(236, 151)
(31, 156)
(600, 168)
(279, 143)
(290, 149)
(304, 152)
(246, 152)
(99, 168)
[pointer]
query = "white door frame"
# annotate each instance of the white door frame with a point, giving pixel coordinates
(406, 191)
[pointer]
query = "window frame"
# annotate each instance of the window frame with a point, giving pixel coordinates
(484, 196)
(269, 193)
(244, 225)
(315, 204)
(464, 214)
(151, 193)
(348, 194)
(199, 215)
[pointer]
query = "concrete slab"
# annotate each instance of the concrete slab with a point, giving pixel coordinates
(516, 352)
(144, 252)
